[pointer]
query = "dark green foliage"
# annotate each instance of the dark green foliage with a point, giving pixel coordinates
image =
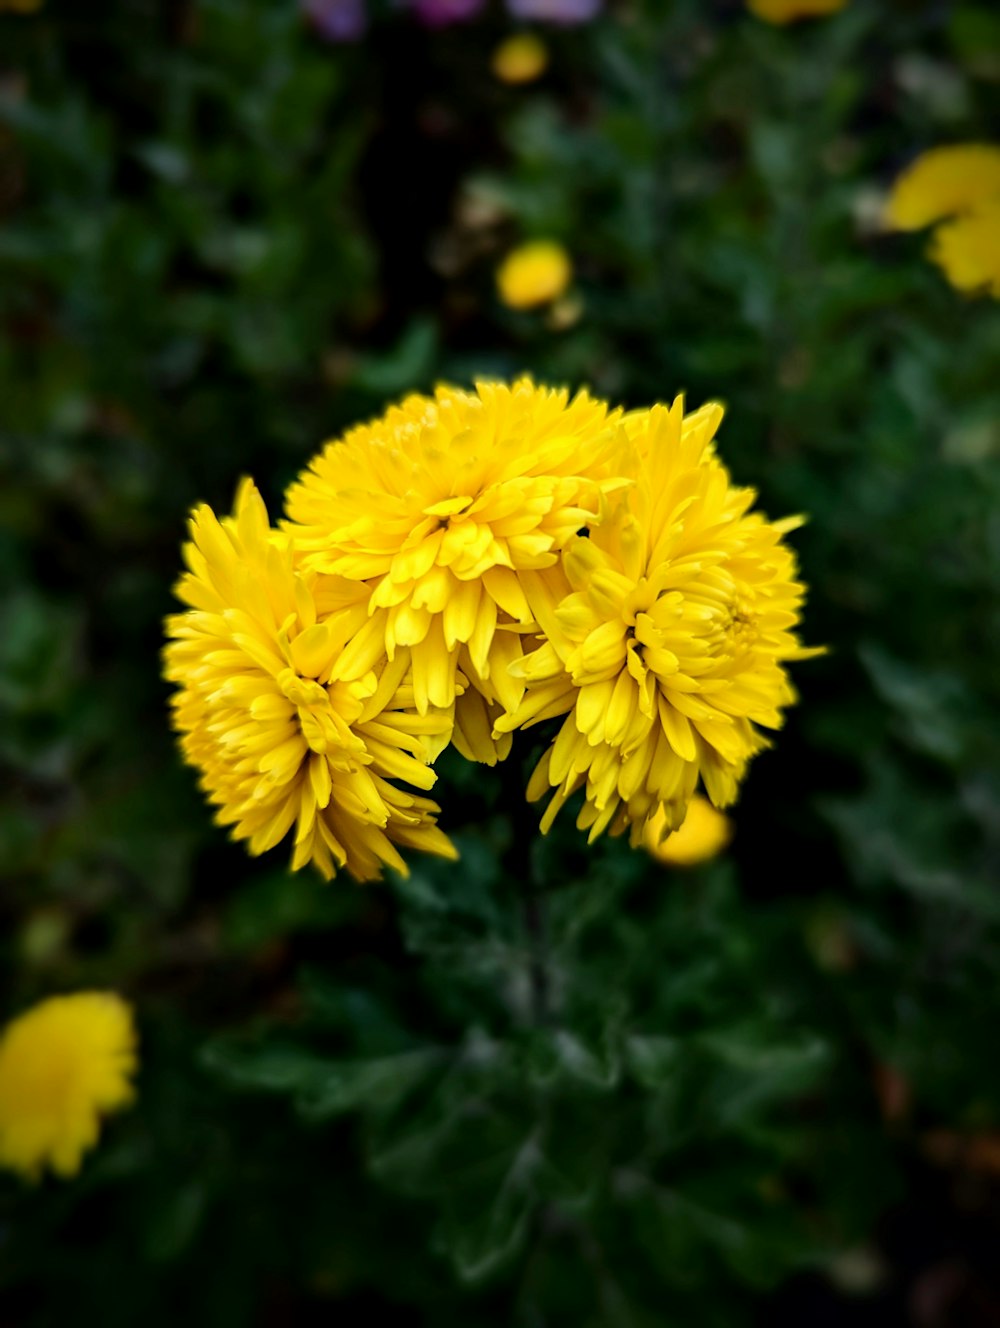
(549, 1084)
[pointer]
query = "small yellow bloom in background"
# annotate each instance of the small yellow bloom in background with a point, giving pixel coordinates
(958, 186)
(64, 1064)
(521, 58)
(535, 273)
(703, 835)
(21, 6)
(968, 249)
(790, 11)
(942, 183)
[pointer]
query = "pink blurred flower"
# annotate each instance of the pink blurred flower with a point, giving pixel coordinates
(440, 13)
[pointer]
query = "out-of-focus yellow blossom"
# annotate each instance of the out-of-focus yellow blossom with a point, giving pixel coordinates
(943, 183)
(968, 249)
(790, 11)
(520, 58)
(959, 187)
(64, 1064)
(436, 511)
(21, 6)
(535, 273)
(665, 639)
(289, 707)
(703, 835)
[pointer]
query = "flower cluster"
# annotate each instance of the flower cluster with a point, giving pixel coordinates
(956, 189)
(470, 564)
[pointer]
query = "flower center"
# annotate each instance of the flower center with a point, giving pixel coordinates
(632, 643)
(450, 509)
(324, 728)
(740, 624)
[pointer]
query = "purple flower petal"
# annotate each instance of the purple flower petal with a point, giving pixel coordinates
(555, 11)
(337, 20)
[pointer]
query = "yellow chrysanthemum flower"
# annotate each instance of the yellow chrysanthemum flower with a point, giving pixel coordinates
(790, 11)
(703, 834)
(437, 509)
(289, 707)
(63, 1065)
(665, 642)
(535, 273)
(520, 58)
(943, 183)
(968, 249)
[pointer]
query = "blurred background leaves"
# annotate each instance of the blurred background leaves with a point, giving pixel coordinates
(550, 1084)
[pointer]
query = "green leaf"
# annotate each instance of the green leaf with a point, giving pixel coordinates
(375, 1085)
(482, 1237)
(324, 1088)
(654, 1061)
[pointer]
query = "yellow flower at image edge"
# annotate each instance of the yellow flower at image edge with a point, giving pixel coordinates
(957, 187)
(21, 6)
(968, 249)
(64, 1064)
(520, 59)
(943, 183)
(703, 835)
(790, 11)
(533, 274)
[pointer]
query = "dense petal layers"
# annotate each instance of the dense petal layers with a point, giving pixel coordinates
(666, 638)
(289, 707)
(439, 508)
(469, 564)
(63, 1065)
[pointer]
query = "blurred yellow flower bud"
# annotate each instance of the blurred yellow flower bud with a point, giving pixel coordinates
(520, 58)
(534, 273)
(704, 834)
